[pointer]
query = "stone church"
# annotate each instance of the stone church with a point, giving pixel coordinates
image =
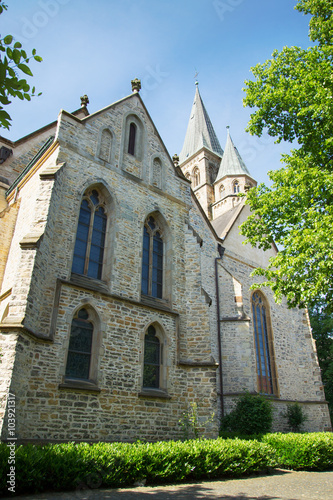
(125, 287)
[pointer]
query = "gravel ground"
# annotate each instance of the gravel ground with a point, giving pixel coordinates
(282, 485)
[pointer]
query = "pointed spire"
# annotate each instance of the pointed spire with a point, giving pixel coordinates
(232, 163)
(200, 132)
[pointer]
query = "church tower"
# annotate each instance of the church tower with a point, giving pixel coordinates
(201, 155)
(217, 176)
(233, 178)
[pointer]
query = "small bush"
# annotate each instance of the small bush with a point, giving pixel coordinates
(190, 423)
(252, 415)
(295, 416)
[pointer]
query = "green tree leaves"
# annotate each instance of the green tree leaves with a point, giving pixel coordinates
(13, 60)
(293, 97)
(322, 330)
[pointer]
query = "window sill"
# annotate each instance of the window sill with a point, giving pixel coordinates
(89, 283)
(154, 393)
(154, 301)
(81, 385)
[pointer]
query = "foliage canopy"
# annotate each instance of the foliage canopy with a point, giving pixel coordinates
(322, 330)
(13, 63)
(293, 97)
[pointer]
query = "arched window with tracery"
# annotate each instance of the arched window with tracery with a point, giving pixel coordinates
(266, 371)
(196, 177)
(236, 187)
(90, 235)
(80, 346)
(152, 259)
(222, 191)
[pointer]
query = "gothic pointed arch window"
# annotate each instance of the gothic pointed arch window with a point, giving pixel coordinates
(152, 258)
(236, 187)
(222, 191)
(152, 359)
(265, 359)
(80, 347)
(196, 177)
(131, 139)
(90, 236)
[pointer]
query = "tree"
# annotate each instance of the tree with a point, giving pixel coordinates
(322, 330)
(13, 62)
(293, 94)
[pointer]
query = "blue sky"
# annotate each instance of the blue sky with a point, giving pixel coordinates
(97, 47)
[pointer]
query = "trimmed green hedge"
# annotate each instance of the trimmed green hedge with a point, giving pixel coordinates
(75, 466)
(68, 466)
(309, 451)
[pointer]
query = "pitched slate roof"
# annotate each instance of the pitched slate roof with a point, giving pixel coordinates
(232, 163)
(200, 132)
(31, 163)
(224, 222)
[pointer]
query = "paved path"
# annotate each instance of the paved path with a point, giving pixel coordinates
(283, 485)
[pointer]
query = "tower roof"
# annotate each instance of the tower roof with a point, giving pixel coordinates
(200, 132)
(232, 163)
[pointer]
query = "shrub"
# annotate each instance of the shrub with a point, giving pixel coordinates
(311, 451)
(82, 466)
(70, 466)
(295, 416)
(252, 415)
(191, 424)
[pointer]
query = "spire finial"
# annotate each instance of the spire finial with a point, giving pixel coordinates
(136, 85)
(175, 160)
(195, 76)
(84, 101)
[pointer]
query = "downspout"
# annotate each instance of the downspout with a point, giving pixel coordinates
(220, 249)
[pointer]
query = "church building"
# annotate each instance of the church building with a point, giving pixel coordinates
(125, 287)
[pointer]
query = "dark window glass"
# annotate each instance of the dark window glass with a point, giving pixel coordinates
(152, 260)
(152, 361)
(131, 140)
(90, 238)
(79, 350)
(145, 262)
(157, 270)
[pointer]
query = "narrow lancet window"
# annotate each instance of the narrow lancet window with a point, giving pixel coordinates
(152, 360)
(131, 139)
(152, 259)
(263, 345)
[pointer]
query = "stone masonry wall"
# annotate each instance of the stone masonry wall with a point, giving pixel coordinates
(7, 225)
(114, 409)
(298, 373)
